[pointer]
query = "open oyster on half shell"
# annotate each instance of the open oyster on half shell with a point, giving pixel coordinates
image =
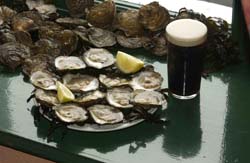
(98, 58)
(147, 80)
(43, 80)
(69, 63)
(90, 97)
(113, 81)
(105, 114)
(80, 82)
(120, 97)
(47, 98)
(154, 98)
(70, 113)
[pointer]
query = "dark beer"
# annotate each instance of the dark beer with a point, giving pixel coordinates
(184, 70)
(185, 58)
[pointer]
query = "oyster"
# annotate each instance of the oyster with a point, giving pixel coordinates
(47, 98)
(12, 54)
(102, 15)
(41, 6)
(120, 97)
(153, 16)
(70, 113)
(6, 14)
(98, 58)
(131, 42)
(80, 83)
(24, 38)
(104, 114)
(46, 46)
(149, 98)
(6, 37)
(101, 38)
(77, 7)
(71, 22)
(43, 80)
(147, 80)
(128, 22)
(69, 63)
(112, 81)
(90, 97)
(157, 45)
(23, 24)
(39, 62)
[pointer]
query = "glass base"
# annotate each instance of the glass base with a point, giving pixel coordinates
(184, 97)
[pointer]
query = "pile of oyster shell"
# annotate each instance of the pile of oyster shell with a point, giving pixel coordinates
(50, 48)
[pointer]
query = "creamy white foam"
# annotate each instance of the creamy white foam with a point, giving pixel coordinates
(186, 32)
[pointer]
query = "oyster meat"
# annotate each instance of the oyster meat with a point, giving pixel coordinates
(149, 98)
(100, 37)
(147, 80)
(102, 15)
(69, 63)
(43, 80)
(90, 97)
(12, 54)
(47, 98)
(120, 97)
(98, 58)
(128, 22)
(153, 16)
(41, 6)
(70, 113)
(80, 82)
(113, 81)
(105, 114)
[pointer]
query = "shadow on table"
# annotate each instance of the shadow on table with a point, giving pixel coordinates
(74, 141)
(183, 137)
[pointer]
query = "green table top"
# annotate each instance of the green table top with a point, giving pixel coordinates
(211, 128)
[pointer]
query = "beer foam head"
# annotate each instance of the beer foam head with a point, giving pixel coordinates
(186, 32)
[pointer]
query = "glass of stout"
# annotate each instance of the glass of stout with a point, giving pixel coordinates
(186, 39)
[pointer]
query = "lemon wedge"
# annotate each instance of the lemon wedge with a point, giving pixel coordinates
(63, 93)
(127, 63)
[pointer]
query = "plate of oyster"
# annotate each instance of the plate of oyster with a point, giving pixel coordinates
(105, 99)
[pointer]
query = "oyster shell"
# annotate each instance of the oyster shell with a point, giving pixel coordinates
(39, 62)
(131, 42)
(24, 38)
(69, 63)
(105, 114)
(6, 14)
(153, 16)
(147, 80)
(149, 98)
(80, 82)
(128, 22)
(12, 54)
(46, 46)
(101, 38)
(77, 7)
(43, 80)
(41, 6)
(102, 15)
(120, 97)
(112, 81)
(98, 58)
(47, 98)
(90, 97)
(157, 45)
(70, 113)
